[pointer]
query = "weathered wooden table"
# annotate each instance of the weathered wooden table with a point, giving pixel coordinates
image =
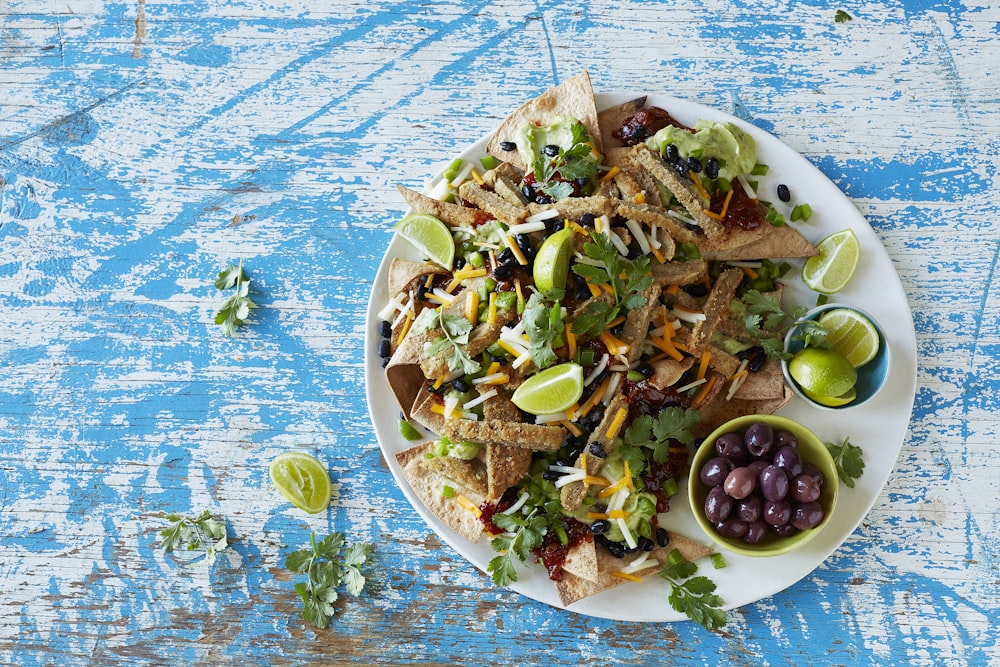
(144, 146)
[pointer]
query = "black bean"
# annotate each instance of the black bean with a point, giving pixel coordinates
(551, 150)
(385, 328)
(551, 475)
(587, 219)
(645, 544)
(597, 449)
(616, 549)
(460, 385)
(662, 537)
(694, 164)
(712, 167)
(504, 272)
(646, 369)
(783, 193)
(508, 146)
(528, 192)
(459, 262)
(696, 290)
(672, 154)
(384, 348)
(506, 256)
(600, 527)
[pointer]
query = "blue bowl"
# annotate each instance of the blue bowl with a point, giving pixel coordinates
(871, 377)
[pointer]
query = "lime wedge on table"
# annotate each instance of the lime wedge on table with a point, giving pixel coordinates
(553, 390)
(303, 480)
(822, 372)
(830, 271)
(552, 261)
(852, 334)
(430, 236)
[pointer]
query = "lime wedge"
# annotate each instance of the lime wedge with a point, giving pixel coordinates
(833, 401)
(852, 334)
(430, 236)
(303, 480)
(552, 261)
(830, 271)
(822, 372)
(553, 390)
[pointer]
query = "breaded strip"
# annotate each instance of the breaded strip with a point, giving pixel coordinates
(536, 437)
(494, 204)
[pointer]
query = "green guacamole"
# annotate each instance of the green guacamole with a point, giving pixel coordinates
(735, 150)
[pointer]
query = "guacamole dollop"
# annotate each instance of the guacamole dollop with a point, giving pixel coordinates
(735, 150)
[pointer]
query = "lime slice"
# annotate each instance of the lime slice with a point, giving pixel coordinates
(553, 390)
(552, 261)
(830, 271)
(852, 334)
(430, 236)
(303, 480)
(833, 401)
(822, 372)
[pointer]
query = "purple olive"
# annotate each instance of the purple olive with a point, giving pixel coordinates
(787, 458)
(717, 504)
(804, 489)
(740, 483)
(756, 532)
(773, 483)
(757, 466)
(806, 515)
(759, 439)
(813, 471)
(785, 439)
(731, 447)
(784, 530)
(777, 512)
(714, 472)
(732, 527)
(749, 509)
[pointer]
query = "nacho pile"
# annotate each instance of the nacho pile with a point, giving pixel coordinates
(672, 251)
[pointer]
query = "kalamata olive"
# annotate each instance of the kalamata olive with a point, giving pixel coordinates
(749, 509)
(773, 483)
(732, 527)
(731, 446)
(759, 439)
(717, 504)
(785, 439)
(787, 458)
(715, 471)
(813, 471)
(777, 512)
(806, 515)
(740, 483)
(804, 489)
(757, 466)
(756, 532)
(784, 530)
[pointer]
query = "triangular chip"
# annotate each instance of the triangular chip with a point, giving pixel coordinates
(468, 476)
(573, 98)
(505, 466)
(429, 486)
(612, 118)
(581, 561)
(450, 214)
(779, 243)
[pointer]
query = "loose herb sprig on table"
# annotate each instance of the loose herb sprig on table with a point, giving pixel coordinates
(842, 17)
(692, 596)
(325, 572)
(849, 460)
(628, 279)
(768, 321)
(200, 533)
(236, 309)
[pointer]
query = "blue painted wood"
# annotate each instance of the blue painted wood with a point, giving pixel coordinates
(144, 146)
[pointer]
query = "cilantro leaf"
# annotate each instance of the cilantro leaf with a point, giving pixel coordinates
(672, 424)
(544, 328)
(524, 533)
(326, 571)
(199, 533)
(456, 330)
(849, 460)
(629, 281)
(554, 175)
(842, 17)
(692, 596)
(235, 310)
(767, 321)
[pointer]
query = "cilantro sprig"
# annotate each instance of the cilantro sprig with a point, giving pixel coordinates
(325, 572)
(523, 533)
(554, 175)
(456, 330)
(767, 321)
(543, 326)
(849, 460)
(672, 424)
(629, 279)
(235, 310)
(690, 595)
(198, 532)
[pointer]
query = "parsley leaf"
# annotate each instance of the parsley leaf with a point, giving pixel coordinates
(544, 328)
(200, 533)
(672, 424)
(692, 596)
(842, 16)
(767, 320)
(456, 331)
(236, 309)
(524, 533)
(849, 460)
(326, 571)
(629, 281)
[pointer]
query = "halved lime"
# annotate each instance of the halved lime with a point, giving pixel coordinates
(852, 334)
(822, 372)
(553, 390)
(831, 270)
(833, 401)
(552, 261)
(430, 236)
(303, 480)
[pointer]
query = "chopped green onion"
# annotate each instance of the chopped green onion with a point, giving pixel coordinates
(447, 491)
(452, 171)
(670, 487)
(489, 162)
(759, 170)
(506, 300)
(585, 356)
(476, 259)
(563, 537)
(635, 376)
(822, 299)
(801, 212)
(718, 560)
(408, 431)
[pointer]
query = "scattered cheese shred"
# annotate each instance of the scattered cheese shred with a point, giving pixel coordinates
(703, 366)
(595, 481)
(469, 505)
(750, 273)
(406, 327)
(627, 576)
(655, 252)
(595, 291)
(704, 392)
(472, 307)
(572, 428)
(595, 516)
(640, 198)
(570, 341)
(698, 186)
(491, 309)
(616, 425)
(611, 174)
(614, 345)
(514, 248)
(617, 514)
(594, 398)
(725, 204)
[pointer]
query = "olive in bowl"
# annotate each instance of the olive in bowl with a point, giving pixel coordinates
(762, 485)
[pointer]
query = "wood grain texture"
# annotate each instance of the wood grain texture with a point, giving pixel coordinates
(144, 146)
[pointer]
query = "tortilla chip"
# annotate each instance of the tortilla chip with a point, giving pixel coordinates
(405, 274)
(574, 98)
(765, 385)
(572, 588)
(428, 485)
(667, 372)
(779, 243)
(505, 466)
(450, 214)
(718, 412)
(403, 372)
(421, 411)
(581, 561)
(612, 118)
(468, 476)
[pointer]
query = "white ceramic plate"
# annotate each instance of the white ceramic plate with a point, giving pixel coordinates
(879, 426)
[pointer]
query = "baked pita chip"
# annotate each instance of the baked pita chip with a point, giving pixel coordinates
(719, 411)
(612, 118)
(468, 476)
(405, 274)
(581, 561)
(573, 98)
(767, 384)
(505, 466)
(779, 243)
(428, 486)
(572, 588)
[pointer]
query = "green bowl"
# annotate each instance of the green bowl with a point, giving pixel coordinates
(811, 450)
